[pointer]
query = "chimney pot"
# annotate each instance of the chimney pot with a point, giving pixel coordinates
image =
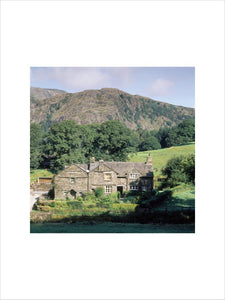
(92, 160)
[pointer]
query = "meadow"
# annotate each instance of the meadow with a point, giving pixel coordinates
(161, 156)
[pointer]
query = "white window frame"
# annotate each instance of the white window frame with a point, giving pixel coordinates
(133, 175)
(133, 187)
(108, 173)
(108, 189)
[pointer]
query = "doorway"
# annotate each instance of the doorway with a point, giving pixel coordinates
(73, 194)
(120, 189)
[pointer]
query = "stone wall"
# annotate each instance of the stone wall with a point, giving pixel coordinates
(70, 183)
(102, 177)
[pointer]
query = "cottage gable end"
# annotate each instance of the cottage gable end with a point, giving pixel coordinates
(73, 171)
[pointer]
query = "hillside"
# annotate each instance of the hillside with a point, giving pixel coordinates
(40, 94)
(97, 106)
(161, 156)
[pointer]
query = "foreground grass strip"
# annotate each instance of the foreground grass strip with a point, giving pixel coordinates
(108, 227)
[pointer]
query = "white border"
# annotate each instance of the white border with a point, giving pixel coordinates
(125, 33)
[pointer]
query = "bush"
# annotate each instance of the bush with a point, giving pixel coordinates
(99, 192)
(114, 196)
(72, 204)
(89, 196)
(179, 169)
(104, 201)
(153, 200)
(43, 208)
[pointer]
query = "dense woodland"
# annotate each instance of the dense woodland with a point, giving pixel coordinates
(67, 142)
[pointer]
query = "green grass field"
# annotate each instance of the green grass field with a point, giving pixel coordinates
(161, 156)
(34, 174)
(111, 228)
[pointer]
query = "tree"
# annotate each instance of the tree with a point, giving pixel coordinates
(161, 135)
(36, 145)
(180, 169)
(63, 144)
(67, 142)
(147, 140)
(115, 141)
(150, 143)
(181, 134)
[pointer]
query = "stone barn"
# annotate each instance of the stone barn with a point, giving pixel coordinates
(113, 176)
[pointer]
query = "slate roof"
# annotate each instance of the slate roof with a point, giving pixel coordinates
(122, 168)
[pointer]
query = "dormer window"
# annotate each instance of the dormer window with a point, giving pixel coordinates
(133, 176)
(107, 176)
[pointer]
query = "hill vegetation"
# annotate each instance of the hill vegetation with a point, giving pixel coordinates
(98, 106)
(40, 93)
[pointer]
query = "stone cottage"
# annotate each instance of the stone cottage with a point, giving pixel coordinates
(113, 176)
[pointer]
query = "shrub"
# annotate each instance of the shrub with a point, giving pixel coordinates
(43, 208)
(72, 204)
(89, 196)
(114, 196)
(179, 169)
(154, 200)
(99, 192)
(104, 201)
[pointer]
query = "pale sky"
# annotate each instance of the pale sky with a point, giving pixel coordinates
(175, 85)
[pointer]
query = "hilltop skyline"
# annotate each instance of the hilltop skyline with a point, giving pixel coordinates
(174, 85)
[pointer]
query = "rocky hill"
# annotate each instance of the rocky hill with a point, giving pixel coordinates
(40, 94)
(97, 106)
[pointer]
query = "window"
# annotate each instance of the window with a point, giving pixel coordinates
(107, 176)
(133, 176)
(72, 180)
(133, 187)
(144, 188)
(108, 189)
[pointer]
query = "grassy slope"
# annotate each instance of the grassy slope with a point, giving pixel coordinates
(161, 156)
(183, 195)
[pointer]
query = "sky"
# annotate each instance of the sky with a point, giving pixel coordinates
(174, 85)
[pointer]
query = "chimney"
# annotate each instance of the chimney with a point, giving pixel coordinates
(92, 160)
(149, 160)
(101, 166)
